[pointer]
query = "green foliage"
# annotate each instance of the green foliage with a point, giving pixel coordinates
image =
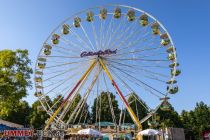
(15, 74)
(104, 109)
(37, 117)
(169, 118)
(21, 114)
(196, 121)
(138, 106)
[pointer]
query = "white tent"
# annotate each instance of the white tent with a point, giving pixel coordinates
(150, 132)
(90, 131)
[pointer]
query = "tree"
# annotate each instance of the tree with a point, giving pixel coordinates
(15, 77)
(169, 118)
(138, 106)
(104, 110)
(197, 120)
(37, 117)
(21, 114)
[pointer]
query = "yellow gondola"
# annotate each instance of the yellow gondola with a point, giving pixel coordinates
(77, 21)
(38, 79)
(46, 46)
(144, 20)
(89, 16)
(39, 73)
(174, 64)
(55, 38)
(103, 13)
(41, 59)
(165, 39)
(41, 65)
(117, 13)
(171, 56)
(38, 94)
(65, 29)
(170, 49)
(131, 15)
(171, 81)
(176, 73)
(155, 28)
(47, 51)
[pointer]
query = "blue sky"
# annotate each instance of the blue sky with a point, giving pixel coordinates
(26, 24)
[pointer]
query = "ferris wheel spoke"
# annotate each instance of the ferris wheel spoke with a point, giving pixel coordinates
(69, 49)
(140, 85)
(146, 76)
(136, 51)
(110, 102)
(145, 70)
(143, 56)
(54, 76)
(136, 41)
(114, 33)
(95, 36)
(123, 35)
(131, 91)
(85, 97)
(143, 31)
(60, 82)
(81, 40)
(86, 35)
(64, 64)
(106, 34)
(70, 43)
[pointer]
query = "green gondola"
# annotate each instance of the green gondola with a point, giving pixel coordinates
(171, 56)
(38, 79)
(174, 64)
(65, 29)
(41, 65)
(155, 28)
(38, 94)
(103, 13)
(77, 21)
(131, 15)
(55, 38)
(172, 81)
(144, 20)
(90, 16)
(117, 13)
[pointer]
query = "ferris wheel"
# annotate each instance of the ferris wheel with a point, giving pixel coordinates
(115, 49)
